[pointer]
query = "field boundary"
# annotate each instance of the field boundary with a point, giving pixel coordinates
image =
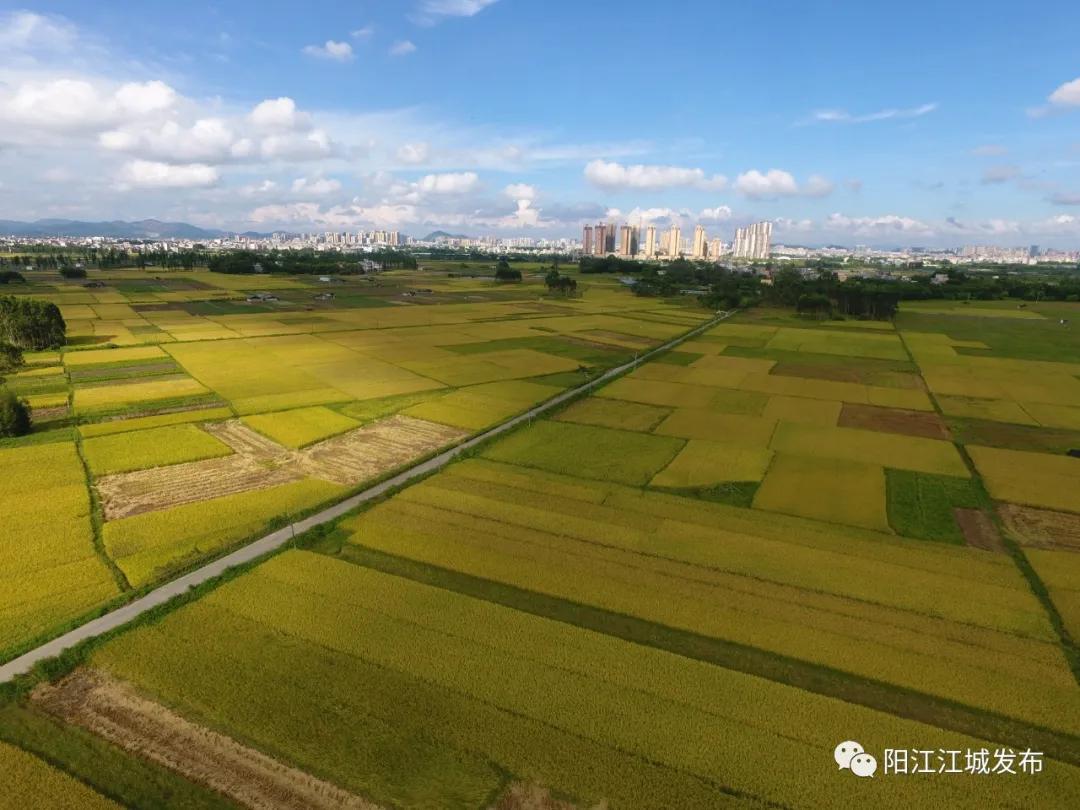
(280, 538)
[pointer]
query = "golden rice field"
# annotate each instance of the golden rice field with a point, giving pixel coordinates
(682, 590)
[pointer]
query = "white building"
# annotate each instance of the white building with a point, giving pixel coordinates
(753, 241)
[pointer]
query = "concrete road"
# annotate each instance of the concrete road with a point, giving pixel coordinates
(275, 540)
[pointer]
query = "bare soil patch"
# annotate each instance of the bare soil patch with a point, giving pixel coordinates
(894, 420)
(1042, 528)
(47, 414)
(979, 530)
(113, 710)
(523, 796)
(258, 463)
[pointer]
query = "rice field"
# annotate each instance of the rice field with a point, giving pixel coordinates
(733, 556)
(432, 695)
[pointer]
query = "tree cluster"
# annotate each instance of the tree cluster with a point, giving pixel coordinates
(504, 272)
(15, 415)
(558, 283)
(31, 325)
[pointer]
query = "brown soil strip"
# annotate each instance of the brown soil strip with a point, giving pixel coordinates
(523, 796)
(258, 463)
(1041, 528)
(894, 420)
(45, 414)
(374, 449)
(113, 710)
(979, 530)
(160, 411)
(124, 372)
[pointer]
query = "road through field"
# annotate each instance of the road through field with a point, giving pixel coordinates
(275, 540)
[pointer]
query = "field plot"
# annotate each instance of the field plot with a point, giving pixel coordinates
(31, 782)
(1032, 479)
(428, 697)
(153, 447)
(301, 427)
(837, 489)
(49, 571)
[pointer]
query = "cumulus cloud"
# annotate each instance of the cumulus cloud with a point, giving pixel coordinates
(520, 191)
(152, 174)
(207, 140)
(297, 146)
(999, 174)
(332, 50)
(402, 48)
(414, 153)
(78, 105)
(315, 187)
(279, 114)
(430, 12)
(721, 213)
(845, 117)
(773, 183)
(449, 183)
(615, 176)
(1067, 95)
(869, 226)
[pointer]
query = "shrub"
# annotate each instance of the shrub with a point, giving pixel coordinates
(10, 357)
(14, 414)
(72, 272)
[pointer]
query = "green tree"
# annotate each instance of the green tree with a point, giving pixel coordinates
(10, 357)
(31, 325)
(504, 272)
(14, 415)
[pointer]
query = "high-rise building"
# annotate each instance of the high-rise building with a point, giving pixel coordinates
(674, 242)
(612, 237)
(587, 240)
(753, 241)
(628, 243)
(600, 239)
(650, 242)
(701, 245)
(716, 248)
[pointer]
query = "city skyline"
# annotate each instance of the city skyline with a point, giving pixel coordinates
(433, 115)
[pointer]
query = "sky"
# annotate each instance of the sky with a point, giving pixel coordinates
(920, 124)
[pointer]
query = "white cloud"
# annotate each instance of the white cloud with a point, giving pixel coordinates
(317, 187)
(151, 174)
(773, 183)
(365, 32)
(1068, 95)
(1065, 198)
(414, 153)
(845, 117)
(615, 176)
(999, 174)
(429, 12)
(520, 191)
(27, 31)
(78, 105)
(253, 189)
(297, 146)
(402, 48)
(449, 183)
(719, 214)
(869, 226)
(332, 50)
(208, 140)
(817, 186)
(279, 114)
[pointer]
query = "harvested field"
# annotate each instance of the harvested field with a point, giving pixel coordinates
(113, 710)
(1041, 528)
(979, 530)
(522, 796)
(894, 420)
(259, 462)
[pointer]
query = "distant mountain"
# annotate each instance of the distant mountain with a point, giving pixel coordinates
(143, 229)
(431, 237)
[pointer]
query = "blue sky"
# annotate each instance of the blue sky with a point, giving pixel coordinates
(941, 124)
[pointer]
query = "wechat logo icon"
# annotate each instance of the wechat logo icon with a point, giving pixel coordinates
(852, 756)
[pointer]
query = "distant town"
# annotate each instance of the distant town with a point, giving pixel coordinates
(642, 242)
